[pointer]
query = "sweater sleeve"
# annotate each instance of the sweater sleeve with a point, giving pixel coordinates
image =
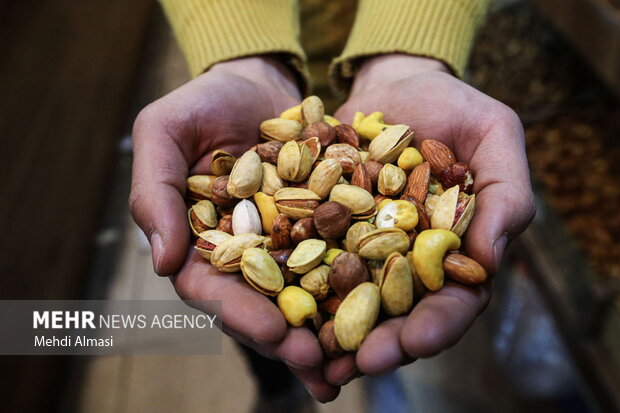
(441, 29)
(212, 31)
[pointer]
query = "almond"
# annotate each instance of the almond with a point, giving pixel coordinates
(360, 178)
(464, 270)
(438, 155)
(417, 182)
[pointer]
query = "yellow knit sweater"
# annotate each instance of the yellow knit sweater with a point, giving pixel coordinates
(211, 31)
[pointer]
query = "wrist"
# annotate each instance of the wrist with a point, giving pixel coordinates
(381, 69)
(266, 71)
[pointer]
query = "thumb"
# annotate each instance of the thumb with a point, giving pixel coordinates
(156, 199)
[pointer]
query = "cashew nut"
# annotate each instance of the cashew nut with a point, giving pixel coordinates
(297, 305)
(369, 126)
(428, 251)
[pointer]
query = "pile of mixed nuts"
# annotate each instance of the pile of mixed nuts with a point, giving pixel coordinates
(349, 216)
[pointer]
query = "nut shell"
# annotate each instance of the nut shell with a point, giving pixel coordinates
(396, 285)
(278, 129)
(324, 176)
(200, 186)
(315, 282)
(246, 176)
(294, 162)
(272, 182)
(226, 256)
(380, 243)
(212, 238)
(204, 212)
(359, 201)
(296, 203)
(261, 271)
(390, 143)
(222, 162)
(307, 255)
(357, 315)
(245, 219)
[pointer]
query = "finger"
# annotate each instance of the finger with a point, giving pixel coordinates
(314, 381)
(504, 200)
(381, 351)
(243, 309)
(341, 370)
(156, 199)
(441, 318)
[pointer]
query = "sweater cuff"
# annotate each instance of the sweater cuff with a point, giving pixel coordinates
(440, 29)
(213, 31)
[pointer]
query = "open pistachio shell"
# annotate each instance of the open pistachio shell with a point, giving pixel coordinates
(222, 162)
(200, 186)
(294, 162)
(390, 143)
(357, 315)
(205, 212)
(396, 285)
(306, 199)
(358, 200)
(213, 237)
(227, 255)
(279, 129)
(380, 243)
(261, 271)
(444, 209)
(307, 255)
(326, 174)
(314, 146)
(462, 223)
(355, 233)
(246, 176)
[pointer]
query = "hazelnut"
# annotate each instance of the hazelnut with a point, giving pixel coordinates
(322, 130)
(347, 272)
(220, 195)
(332, 220)
(329, 343)
(302, 230)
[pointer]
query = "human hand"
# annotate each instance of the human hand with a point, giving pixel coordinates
(489, 137)
(174, 138)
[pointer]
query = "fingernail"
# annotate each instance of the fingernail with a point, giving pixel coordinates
(355, 373)
(498, 249)
(157, 248)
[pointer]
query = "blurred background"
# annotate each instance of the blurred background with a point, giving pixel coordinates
(74, 74)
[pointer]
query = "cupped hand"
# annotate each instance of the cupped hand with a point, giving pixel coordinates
(173, 139)
(489, 137)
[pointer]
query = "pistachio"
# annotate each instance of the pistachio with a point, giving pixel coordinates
(199, 186)
(302, 230)
(281, 232)
(329, 343)
(222, 162)
(346, 134)
(397, 214)
(220, 195)
(347, 155)
(279, 129)
(269, 151)
(332, 220)
(202, 216)
(297, 305)
(359, 201)
(355, 233)
(346, 272)
(261, 271)
(390, 143)
(246, 176)
(314, 146)
(322, 130)
(357, 315)
(294, 162)
(226, 256)
(380, 243)
(293, 113)
(245, 219)
(396, 285)
(392, 180)
(324, 177)
(271, 182)
(296, 203)
(315, 282)
(267, 209)
(307, 255)
(208, 240)
(453, 211)
(312, 110)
